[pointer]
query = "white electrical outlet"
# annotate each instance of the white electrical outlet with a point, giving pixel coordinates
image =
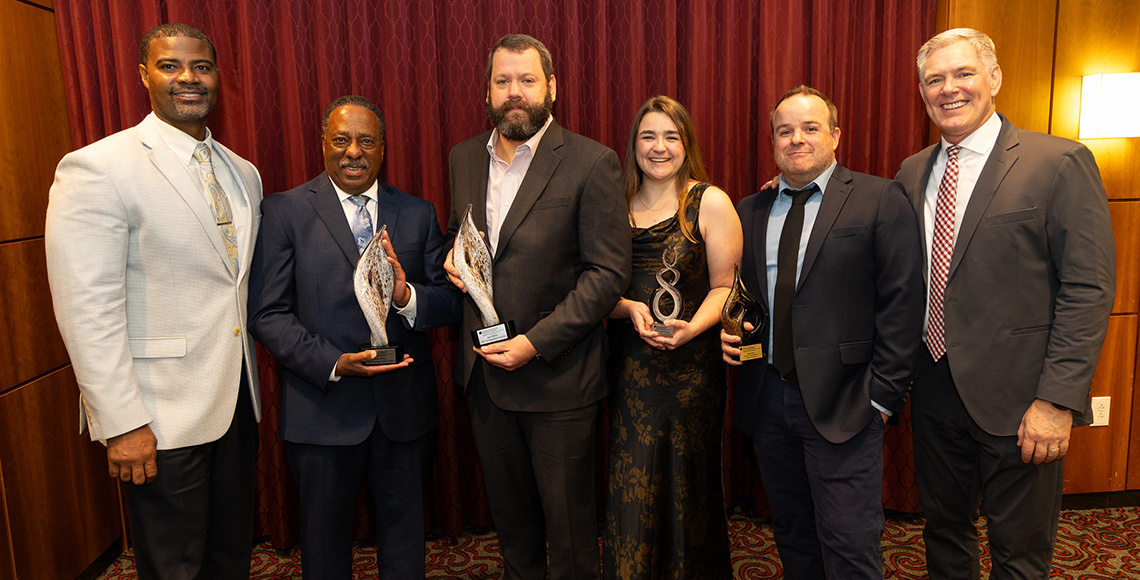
(1100, 407)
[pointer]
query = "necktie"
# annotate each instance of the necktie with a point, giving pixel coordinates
(223, 214)
(941, 250)
(361, 222)
(787, 258)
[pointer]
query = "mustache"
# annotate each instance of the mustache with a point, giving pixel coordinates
(183, 88)
(354, 164)
(516, 104)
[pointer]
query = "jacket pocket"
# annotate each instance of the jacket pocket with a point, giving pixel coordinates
(853, 353)
(850, 231)
(1030, 330)
(1009, 217)
(546, 203)
(172, 347)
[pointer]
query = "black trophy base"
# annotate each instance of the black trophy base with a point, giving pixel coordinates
(494, 333)
(751, 352)
(661, 329)
(385, 355)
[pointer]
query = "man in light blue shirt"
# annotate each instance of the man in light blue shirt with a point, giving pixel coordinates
(836, 256)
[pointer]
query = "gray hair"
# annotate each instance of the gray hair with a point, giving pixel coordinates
(978, 39)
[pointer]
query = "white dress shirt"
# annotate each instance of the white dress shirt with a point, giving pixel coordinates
(183, 146)
(976, 148)
(373, 207)
(504, 179)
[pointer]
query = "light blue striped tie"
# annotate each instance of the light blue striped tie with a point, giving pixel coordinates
(223, 214)
(362, 222)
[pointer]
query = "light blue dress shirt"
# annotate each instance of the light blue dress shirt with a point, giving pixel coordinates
(780, 207)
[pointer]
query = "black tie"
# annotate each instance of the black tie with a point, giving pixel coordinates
(783, 357)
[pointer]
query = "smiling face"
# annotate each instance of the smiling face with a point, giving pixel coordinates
(660, 152)
(182, 78)
(958, 90)
(353, 148)
(519, 96)
(803, 138)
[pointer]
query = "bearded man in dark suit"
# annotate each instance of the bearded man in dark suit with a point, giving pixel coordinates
(551, 204)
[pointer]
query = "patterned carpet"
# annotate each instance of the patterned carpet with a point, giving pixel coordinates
(1102, 543)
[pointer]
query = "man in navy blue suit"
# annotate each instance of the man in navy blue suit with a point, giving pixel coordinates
(345, 423)
(836, 256)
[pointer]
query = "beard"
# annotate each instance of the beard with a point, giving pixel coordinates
(517, 130)
(187, 112)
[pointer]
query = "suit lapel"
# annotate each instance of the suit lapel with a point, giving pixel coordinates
(328, 207)
(917, 188)
(247, 187)
(477, 170)
(838, 189)
(546, 160)
(916, 193)
(997, 166)
(176, 174)
(759, 228)
(389, 211)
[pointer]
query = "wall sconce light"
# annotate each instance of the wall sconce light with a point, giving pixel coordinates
(1108, 106)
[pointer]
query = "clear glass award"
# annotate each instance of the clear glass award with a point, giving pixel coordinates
(473, 261)
(374, 281)
(667, 287)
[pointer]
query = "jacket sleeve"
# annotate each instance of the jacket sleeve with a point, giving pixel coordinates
(1079, 230)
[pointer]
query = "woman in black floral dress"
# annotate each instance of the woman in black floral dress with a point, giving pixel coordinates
(665, 514)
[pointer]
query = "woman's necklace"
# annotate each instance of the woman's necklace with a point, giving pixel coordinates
(666, 199)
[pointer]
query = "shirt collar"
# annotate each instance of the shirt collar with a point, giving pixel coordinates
(372, 193)
(982, 140)
(179, 142)
(530, 144)
(820, 180)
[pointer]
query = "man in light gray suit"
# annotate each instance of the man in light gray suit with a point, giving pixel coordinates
(551, 204)
(1021, 271)
(149, 239)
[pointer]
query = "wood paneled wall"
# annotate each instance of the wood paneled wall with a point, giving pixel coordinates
(58, 508)
(1044, 48)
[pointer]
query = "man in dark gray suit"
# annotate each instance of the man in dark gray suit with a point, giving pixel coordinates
(550, 202)
(835, 254)
(1021, 277)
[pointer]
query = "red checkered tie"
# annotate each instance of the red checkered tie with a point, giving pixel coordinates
(942, 248)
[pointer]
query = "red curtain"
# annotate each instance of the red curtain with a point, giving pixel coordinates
(422, 62)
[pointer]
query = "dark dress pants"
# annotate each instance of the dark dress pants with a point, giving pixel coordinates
(826, 498)
(956, 463)
(195, 520)
(539, 470)
(329, 479)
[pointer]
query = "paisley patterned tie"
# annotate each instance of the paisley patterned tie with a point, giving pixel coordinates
(362, 222)
(223, 214)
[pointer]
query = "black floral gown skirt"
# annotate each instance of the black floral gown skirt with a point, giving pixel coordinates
(665, 513)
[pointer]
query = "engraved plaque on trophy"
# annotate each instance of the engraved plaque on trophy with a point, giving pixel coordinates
(473, 261)
(668, 260)
(741, 307)
(374, 281)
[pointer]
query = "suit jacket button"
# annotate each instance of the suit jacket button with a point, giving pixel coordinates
(237, 331)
